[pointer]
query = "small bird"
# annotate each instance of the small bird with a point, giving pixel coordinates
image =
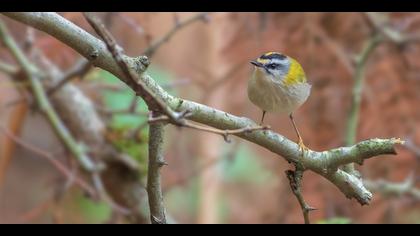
(278, 84)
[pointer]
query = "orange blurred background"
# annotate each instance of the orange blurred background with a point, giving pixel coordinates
(245, 183)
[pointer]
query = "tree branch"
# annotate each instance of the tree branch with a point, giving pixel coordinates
(59, 166)
(358, 80)
(8, 69)
(43, 102)
(156, 161)
(178, 26)
(407, 187)
(295, 179)
(410, 145)
(224, 133)
(323, 163)
(80, 68)
(154, 102)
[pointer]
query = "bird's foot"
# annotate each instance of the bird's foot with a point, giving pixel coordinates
(302, 146)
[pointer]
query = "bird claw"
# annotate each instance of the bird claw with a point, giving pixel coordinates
(302, 146)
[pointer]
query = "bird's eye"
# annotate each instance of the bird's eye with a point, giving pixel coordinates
(272, 66)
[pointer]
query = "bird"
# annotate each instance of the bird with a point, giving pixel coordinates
(278, 84)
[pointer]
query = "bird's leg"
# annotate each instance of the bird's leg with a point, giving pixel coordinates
(302, 146)
(262, 118)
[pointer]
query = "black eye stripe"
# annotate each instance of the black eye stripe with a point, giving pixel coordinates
(273, 65)
(268, 71)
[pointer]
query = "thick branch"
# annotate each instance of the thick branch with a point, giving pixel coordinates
(323, 163)
(156, 161)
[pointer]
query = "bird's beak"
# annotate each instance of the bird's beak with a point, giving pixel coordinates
(256, 63)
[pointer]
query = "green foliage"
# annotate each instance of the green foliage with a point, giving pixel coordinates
(118, 100)
(335, 220)
(93, 212)
(122, 124)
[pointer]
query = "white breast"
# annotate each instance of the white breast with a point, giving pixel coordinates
(274, 96)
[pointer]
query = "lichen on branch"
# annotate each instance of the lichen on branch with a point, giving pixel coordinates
(324, 163)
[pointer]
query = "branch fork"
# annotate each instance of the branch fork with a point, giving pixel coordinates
(324, 163)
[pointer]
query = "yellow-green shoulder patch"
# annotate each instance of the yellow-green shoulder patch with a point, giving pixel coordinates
(295, 74)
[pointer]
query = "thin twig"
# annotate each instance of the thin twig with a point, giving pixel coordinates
(35, 212)
(410, 145)
(380, 23)
(154, 102)
(79, 69)
(323, 163)
(133, 25)
(407, 187)
(8, 68)
(52, 160)
(97, 191)
(319, 33)
(178, 26)
(295, 178)
(224, 133)
(358, 79)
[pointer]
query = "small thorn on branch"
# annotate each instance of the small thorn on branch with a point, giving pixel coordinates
(162, 163)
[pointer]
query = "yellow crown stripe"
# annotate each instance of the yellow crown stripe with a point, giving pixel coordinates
(295, 74)
(263, 61)
(270, 53)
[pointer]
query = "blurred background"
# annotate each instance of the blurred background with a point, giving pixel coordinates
(205, 58)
